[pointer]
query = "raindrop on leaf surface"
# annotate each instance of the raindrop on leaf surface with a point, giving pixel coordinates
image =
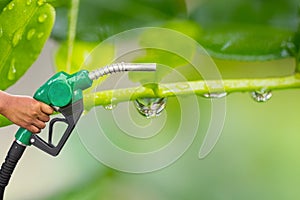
(11, 6)
(28, 2)
(17, 37)
(12, 71)
(150, 107)
(42, 18)
(40, 35)
(1, 31)
(30, 34)
(262, 95)
(40, 2)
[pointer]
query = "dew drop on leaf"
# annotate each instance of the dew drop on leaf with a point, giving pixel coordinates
(12, 71)
(11, 6)
(40, 35)
(42, 18)
(262, 95)
(40, 2)
(17, 37)
(30, 34)
(28, 2)
(215, 95)
(1, 31)
(150, 107)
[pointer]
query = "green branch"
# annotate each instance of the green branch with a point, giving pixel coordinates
(200, 87)
(73, 15)
(188, 88)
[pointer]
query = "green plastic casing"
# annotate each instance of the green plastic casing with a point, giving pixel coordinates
(60, 90)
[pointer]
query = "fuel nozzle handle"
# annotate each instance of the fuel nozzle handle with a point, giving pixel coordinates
(63, 90)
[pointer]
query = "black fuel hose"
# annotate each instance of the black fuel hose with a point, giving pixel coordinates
(14, 154)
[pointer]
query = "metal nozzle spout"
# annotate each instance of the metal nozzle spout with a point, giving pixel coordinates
(121, 67)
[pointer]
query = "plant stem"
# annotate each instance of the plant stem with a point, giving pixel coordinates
(200, 87)
(73, 14)
(188, 88)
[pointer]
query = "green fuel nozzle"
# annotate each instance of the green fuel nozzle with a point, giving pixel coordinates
(63, 92)
(63, 88)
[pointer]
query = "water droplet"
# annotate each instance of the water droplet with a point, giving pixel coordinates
(40, 2)
(40, 35)
(215, 95)
(262, 95)
(288, 48)
(182, 86)
(12, 71)
(150, 107)
(17, 37)
(11, 6)
(1, 31)
(42, 18)
(28, 2)
(30, 34)
(110, 106)
(4, 9)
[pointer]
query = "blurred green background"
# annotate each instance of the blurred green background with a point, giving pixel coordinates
(257, 155)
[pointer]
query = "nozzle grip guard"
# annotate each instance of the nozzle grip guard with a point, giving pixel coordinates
(71, 115)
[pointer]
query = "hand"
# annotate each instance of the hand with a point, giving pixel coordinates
(25, 111)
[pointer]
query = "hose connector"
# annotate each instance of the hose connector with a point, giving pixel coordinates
(121, 67)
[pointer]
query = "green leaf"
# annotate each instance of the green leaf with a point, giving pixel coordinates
(3, 3)
(170, 49)
(85, 55)
(81, 50)
(24, 28)
(281, 13)
(99, 19)
(249, 29)
(248, 42)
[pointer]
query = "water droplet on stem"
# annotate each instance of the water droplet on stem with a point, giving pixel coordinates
(262, 95)
(215, 95)
(182, 86)
(110, 106)
(150, 107)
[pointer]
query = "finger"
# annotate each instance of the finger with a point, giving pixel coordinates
(43, 117)
(46, 109)
(30, 126)
(39, 124)
(33, 129)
